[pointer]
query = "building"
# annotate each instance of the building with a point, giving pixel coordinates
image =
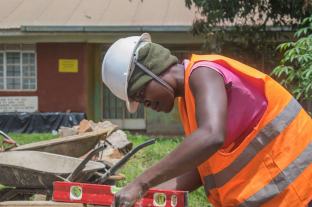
(51, 53)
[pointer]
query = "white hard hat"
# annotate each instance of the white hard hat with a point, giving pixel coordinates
(118, 65)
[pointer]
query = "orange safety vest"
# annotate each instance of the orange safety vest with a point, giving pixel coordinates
(272, 166)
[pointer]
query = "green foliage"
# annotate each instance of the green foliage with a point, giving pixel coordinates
(295, 69)
(247, 22)
(246, 12)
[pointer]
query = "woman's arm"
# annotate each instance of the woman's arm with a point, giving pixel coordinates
(211, 103)
(189, 181)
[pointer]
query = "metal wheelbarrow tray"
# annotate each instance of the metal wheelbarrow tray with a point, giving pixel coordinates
(33, 169)
(74, 146)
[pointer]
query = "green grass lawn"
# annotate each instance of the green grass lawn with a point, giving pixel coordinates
(29, 138)
(138, 163)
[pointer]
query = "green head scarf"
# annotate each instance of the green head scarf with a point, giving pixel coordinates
(156, 58)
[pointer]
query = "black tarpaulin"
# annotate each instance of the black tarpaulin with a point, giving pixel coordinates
(38, 122)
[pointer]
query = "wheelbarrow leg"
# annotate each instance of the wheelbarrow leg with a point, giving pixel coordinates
(49, 195)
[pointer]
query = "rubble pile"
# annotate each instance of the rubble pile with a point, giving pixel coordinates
(115, 140)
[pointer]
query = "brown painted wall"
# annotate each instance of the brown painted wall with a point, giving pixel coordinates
(58, 92)
(61, 91)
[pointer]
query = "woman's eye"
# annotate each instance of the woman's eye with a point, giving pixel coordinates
(147, 103)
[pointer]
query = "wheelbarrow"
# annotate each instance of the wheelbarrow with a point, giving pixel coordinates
(74, 146)
(7, 142)
(33, 172)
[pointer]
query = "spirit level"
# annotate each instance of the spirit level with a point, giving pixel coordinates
(96, 194)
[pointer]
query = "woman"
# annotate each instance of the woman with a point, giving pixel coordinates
(248, 141)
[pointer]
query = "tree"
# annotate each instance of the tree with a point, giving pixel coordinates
(295, 69)
(248, 21)
(255, 13)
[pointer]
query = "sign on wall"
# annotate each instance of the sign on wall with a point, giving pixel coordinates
(68, 66)
(18, 103)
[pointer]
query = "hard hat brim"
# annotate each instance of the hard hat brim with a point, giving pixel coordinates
(132, 106)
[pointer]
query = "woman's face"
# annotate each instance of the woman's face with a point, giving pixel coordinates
(156, 96)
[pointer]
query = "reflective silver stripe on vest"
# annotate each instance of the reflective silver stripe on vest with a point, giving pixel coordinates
(282, 180)
(264, 137)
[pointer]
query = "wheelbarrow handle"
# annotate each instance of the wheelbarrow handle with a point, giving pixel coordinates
(121, 162)
(8, 139)
(75, 174)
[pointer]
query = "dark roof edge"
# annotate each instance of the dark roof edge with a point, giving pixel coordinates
(73, 28)
(127, 28)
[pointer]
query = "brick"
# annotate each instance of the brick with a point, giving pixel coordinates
(119, 141)
(84, 126)
(66, 131)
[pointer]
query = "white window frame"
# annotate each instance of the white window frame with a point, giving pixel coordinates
(36, 72)
(4, 72)
(4, 52)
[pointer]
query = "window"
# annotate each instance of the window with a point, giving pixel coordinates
(1, 71)
(29, 71)
(18, 70)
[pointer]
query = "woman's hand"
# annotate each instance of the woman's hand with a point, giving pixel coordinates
(129, 195)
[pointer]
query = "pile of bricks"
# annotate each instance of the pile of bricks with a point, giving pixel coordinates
(117, 143)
